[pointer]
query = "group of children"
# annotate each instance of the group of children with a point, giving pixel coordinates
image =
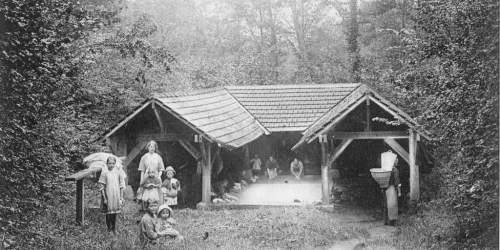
(168, 189)
(157, 223)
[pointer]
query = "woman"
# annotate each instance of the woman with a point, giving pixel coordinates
(152, 161)
(392, 193)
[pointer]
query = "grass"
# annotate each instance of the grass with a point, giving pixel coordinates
(264, 228)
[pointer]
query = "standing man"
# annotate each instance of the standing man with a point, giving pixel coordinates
(296, 168)
(272, 168)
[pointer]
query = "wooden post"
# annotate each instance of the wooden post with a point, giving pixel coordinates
(79, 201)
(78, 178)
(206, 171)
(368, 125)
(246, 164)
(414, 171)
(325, 198)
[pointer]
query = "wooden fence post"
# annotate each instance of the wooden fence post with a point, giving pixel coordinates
(79, 201)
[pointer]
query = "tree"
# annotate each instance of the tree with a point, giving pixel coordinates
(352, 41)
(36, 80)
(450, 78)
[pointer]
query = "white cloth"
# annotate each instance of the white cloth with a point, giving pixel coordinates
(392, 202)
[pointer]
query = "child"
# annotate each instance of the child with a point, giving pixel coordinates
(170, 187)
(150, 185)
(147, 233)
(165, 223)
(256, 163)
(113, 184)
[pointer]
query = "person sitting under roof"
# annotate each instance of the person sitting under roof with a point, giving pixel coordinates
(272, 168)
(296, 168)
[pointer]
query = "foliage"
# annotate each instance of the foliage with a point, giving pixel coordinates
(35, 82)
(352, 41)
(451, 79)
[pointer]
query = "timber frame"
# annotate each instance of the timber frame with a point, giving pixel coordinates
(232, 117)
(324, 131)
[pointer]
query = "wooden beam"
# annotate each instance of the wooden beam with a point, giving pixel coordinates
(82, 174)
(343, 145)
(414, 171)
(190, 148)
(159, 137)
(368, 118)
(206, 171)
(395, 113)
(79, 201)
(246, 159)
(325, 167)
(371, 135)
(398, 148)
(137, 111)
(111, 143)
(345, 111)
(135, 151)
(158, 117)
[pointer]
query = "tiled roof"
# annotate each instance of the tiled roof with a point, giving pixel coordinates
(215, 114)
(354, 98)
(290, 107)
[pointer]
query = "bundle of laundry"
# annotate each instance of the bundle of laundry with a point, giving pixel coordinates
(97, 162)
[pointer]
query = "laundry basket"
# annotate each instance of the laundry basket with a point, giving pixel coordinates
(381, 176)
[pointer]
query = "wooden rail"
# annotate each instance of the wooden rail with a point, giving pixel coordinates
(79, 177)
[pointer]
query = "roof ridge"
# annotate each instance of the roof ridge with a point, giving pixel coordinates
(188, 92)
(292, 86)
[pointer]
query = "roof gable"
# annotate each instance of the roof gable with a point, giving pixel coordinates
(345, 106)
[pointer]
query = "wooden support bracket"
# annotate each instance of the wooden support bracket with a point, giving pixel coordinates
(158, 117)
(398, 148)
(135, 151)
(191, 149)
(343, 145)
(111, 142)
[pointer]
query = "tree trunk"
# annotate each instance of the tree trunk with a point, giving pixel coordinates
(298, 23)
(274, 41)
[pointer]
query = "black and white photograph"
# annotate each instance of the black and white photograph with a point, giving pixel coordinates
(249, 124)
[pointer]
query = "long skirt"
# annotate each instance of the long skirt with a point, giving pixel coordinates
(392, 202)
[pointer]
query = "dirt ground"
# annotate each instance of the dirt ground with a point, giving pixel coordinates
(360, 205)
(369, 219)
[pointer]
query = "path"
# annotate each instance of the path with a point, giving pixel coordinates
(364, 219)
